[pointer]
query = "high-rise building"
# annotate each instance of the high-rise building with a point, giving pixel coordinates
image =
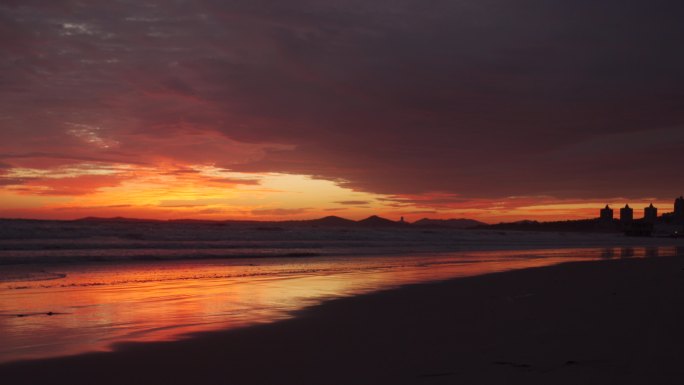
(679, 209)
(626, 214)
(650, 213)
(606, 214)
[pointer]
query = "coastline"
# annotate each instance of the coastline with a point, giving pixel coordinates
(113, 245)
(614, 321)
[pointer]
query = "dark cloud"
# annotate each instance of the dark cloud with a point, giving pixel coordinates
(330, 209)
(352, 203)
(233, 181)
(11, 181)
(477, 99)
(71, 208)
(212, 211)
(182, 172)
(172, 205)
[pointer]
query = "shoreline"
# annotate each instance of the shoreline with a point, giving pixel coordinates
(613, 321)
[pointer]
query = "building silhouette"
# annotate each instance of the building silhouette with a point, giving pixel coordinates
(606, 214)
(669, 223)
(626, 214)
(679, 209)
(650, 214)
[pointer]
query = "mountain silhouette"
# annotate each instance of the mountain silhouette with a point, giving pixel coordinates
(376, 221)
(328, 221)
(332, 221)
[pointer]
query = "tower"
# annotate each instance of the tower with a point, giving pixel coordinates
(626, 214)
(650, 214)
(606, 214)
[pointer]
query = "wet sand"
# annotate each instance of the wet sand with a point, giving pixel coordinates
(607, 322)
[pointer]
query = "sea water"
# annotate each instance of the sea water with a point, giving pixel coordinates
(72, 290)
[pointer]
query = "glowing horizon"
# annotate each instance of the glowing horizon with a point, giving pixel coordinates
(207, 192)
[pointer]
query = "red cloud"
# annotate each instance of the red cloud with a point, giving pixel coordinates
(479, 102)
(79, 185)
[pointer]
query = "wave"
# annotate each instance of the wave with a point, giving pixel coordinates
(45, 242)
(29, 276)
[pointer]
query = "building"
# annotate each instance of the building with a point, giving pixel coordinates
(650, 214)
(606, 214)
(626, 214)
(679, 209)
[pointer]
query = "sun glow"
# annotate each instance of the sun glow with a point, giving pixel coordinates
(172, 191)
(205, 191)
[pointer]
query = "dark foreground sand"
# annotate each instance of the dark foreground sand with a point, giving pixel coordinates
(609, 322)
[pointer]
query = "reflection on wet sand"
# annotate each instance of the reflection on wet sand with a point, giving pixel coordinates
(94, 306)
(607, 253)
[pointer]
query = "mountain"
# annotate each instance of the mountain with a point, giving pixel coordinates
(376, 221)
(461, 223)
(331, 221)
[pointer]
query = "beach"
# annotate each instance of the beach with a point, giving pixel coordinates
(602, 322)
(69, 288)
(329, 192)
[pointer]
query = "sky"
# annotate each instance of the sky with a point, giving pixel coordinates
(215, 109)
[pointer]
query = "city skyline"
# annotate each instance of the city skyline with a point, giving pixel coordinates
(650, 213)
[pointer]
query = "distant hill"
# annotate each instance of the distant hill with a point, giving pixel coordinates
(329, 221)
(461, 223)
(376, 221)
(332, 221)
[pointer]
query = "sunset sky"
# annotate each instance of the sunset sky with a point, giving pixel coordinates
(486, 109)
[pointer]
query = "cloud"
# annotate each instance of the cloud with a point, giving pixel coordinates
(69, 186)
(213, 210)
(73, 208)
(422, 212)
(352, 203)
(481, 100)
(236, 181)
(11, 181)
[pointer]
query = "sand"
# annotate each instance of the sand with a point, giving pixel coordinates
(606, 322)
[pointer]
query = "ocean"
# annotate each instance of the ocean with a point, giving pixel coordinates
(74, 287)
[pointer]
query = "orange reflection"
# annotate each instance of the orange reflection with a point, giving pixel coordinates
(95, 306)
